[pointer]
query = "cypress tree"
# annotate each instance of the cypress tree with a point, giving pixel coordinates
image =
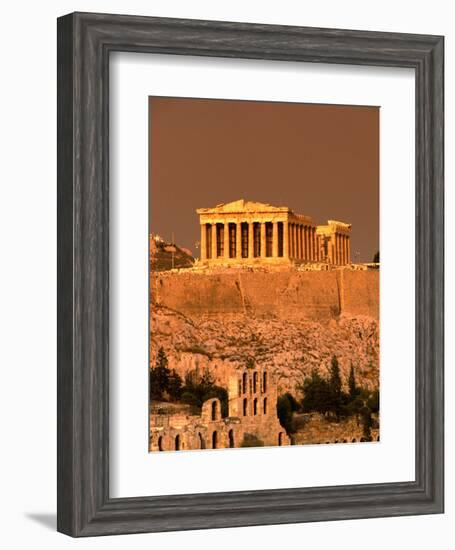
(159, 376)
(353, 390)
(335, 386)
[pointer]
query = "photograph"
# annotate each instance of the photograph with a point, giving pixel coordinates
(264, 274)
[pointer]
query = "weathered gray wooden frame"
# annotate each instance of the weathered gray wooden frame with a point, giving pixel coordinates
(84, 44)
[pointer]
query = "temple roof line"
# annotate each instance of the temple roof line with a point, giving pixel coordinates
(243, 205)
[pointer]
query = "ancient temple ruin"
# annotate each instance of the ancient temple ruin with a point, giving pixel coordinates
(252, 397)
(245, 232)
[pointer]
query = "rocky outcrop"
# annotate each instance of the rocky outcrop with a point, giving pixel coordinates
(165, 256)
(289, 348)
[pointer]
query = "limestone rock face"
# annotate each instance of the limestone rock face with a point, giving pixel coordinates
(289, 348)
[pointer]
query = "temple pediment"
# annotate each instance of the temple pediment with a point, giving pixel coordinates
(243, 206)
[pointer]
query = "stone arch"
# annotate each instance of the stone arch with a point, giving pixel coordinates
(214, 439)
(201, 441)
(255, 406)
(231, 438)
(264, 406)
(244, 382)
(245, 406)
(264, 381)
(160, 443)
(178, 442)
(255, 382)
(354, 440)
(211, 410)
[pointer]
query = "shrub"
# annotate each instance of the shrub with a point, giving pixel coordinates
(251, 440)
(200, 387)
(316, 394)
(285, 410)
(325, 395)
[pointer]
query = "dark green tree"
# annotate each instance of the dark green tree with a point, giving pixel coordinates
(352, 385)
(159, 376)
(200, 387)
(251, 440)
(373, 401)
(174, 385)
(293, 402)
(353, 407)
(284, 412)
(335, 378)
(367, 422)
(222, 394)
(336, 399)
(316, 394)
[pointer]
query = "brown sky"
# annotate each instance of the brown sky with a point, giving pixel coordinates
(320, 160)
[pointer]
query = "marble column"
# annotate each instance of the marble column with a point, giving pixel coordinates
(290, 239)
(293, 247)
(306, 252)
(331, 250)
(238, 240)
(336, 249)
(304, 243)
(299, 240)
(285, 239)
(214, 255)
(203, 243)
(263, 240)
(275, 240)
(250, 240)
(311, 244)
(349, 250)
(313, 233)
(226, 241)
(308, 243)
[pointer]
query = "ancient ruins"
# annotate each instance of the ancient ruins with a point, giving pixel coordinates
(245, 232)
(272, 298)
(252, 396)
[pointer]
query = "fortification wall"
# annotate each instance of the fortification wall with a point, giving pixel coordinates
(311, 295)
(317, 429)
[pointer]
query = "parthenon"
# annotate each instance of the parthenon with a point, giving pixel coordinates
(245, 232)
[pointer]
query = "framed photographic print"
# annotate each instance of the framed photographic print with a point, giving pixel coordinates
(264, 325)
(250, 257)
